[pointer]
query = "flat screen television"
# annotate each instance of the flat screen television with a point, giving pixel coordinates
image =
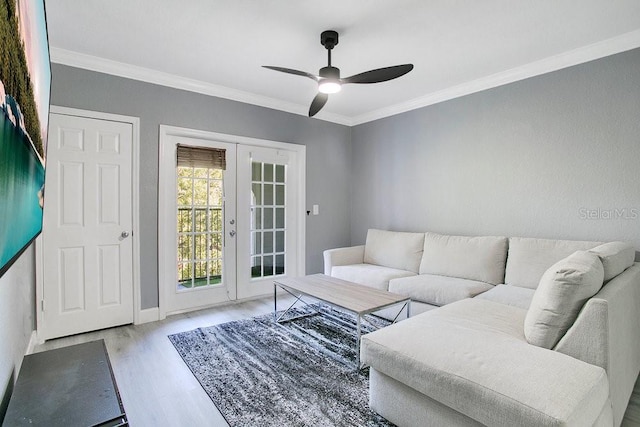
(25, 81)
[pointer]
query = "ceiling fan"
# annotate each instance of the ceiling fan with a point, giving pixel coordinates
(328, 77)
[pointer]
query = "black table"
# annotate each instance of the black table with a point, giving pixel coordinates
(69, 386)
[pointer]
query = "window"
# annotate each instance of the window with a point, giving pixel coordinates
(268, 227)
(200, 216)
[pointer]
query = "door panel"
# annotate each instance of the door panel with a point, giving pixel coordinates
(87, 248)
(71, 197)
(71, 269)
(108, 273)
(201, 229)
(267, 218)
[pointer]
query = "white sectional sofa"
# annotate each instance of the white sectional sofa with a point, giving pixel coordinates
(505, 331)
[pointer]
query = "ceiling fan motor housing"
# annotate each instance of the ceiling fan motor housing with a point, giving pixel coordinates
(330, 73)
(329, 39)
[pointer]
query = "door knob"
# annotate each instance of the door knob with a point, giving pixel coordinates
(232, 233)
(124, 234)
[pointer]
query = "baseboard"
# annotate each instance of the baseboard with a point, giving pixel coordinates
(148, 315)
(33, 341)
(222, 303)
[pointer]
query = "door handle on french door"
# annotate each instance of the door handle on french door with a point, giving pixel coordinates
(232, 233)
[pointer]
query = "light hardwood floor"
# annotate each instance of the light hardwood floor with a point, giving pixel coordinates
(158, 389)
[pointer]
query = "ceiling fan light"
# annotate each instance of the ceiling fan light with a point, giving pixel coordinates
(329, 86)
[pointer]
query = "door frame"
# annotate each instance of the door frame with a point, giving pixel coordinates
(166, 202)
(139, 315)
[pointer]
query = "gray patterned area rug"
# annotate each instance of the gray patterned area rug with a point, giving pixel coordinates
(300, 373)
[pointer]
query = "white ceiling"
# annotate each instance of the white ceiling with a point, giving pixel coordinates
(218, 46)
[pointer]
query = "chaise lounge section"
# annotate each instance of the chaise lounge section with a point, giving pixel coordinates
(492, 354)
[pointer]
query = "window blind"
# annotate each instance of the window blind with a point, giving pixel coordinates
(201, 157)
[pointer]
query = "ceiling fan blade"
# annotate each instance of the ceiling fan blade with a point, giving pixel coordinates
(292, 71)
(380, 74)
(317, 103)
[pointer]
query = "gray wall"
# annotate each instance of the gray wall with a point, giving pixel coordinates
(552, 156)
(328, 151)
(532, 158)
(17, 320)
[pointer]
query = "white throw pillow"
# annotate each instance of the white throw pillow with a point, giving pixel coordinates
(616, 257)
(563, 290)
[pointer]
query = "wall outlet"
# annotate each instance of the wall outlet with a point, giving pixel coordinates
(316, 210)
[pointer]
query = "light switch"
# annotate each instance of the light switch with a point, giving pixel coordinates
(316, 210)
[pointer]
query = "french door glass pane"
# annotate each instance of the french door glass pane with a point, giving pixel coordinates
(268, 194)
(268, 242)
(256, 267)
(268, 172)
(268, 218)
(256, 192)
(279, 217)
(268, 189)
(200, 220)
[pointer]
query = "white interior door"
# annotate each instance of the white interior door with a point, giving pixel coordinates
(199, 260)
(87, 226)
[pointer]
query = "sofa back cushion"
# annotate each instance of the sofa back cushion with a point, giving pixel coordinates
(616, 257)
(479, 258)
(563, 290)
(394, 249)
(529, 258)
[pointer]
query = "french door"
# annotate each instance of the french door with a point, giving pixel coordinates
(201, 250)
(267, 216)
(227, 234)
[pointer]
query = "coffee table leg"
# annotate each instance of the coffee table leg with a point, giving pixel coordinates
(359, 333)
(275, 302)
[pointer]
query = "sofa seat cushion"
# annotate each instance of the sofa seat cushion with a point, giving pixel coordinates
(369, 275)
(394, 249)
(472, 357)
(437, 290)
(509, 295)
(480, 258)
(529, 258)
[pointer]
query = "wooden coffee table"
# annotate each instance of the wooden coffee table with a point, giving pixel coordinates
(352, 297)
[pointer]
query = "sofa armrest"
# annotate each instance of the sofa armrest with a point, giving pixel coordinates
(606, 334)
(342, 256)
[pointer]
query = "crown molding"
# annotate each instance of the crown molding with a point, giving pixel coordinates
(570, 58)
(120, 69)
